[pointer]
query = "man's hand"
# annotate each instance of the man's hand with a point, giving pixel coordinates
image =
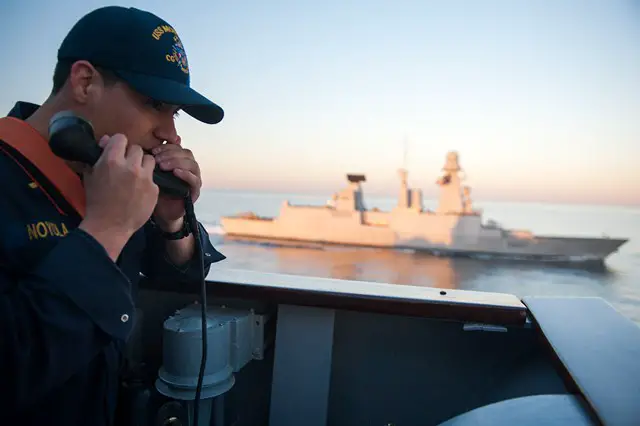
(120, 193)
(169, 211)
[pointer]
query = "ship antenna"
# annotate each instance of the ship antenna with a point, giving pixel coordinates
(404, 154)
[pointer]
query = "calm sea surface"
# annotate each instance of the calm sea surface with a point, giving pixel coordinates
(619, 283)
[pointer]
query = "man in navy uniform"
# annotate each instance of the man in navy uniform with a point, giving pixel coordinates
(69, 279)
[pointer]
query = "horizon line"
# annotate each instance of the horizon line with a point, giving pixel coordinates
(382, 194)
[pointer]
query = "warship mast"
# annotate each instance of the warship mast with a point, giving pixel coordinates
(451, 197)
(404, 200)
(408, 198)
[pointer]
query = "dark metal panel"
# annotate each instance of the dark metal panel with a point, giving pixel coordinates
(302, 366)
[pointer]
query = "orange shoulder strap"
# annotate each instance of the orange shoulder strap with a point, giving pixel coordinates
(28, 142)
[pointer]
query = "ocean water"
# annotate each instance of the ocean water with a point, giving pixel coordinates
(618, 282)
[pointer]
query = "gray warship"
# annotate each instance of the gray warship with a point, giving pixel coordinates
(455, 228)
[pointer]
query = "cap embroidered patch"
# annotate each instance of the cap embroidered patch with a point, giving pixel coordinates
(178, 54)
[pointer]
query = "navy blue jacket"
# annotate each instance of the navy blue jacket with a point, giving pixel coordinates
(66, 309)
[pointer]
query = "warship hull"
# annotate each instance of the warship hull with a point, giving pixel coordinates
(451, 235)
(454, 228)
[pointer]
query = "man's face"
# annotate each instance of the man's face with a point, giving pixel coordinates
(114, 107)
(144, 121)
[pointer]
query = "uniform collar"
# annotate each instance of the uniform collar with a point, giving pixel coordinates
(23, 110)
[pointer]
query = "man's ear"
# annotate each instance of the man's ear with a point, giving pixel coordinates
(85, 82)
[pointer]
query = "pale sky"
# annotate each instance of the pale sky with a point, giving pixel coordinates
(540, 98)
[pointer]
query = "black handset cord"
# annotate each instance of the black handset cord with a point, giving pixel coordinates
(195, 230)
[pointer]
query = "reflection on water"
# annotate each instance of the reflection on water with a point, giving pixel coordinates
(360, 264)
(400, 266)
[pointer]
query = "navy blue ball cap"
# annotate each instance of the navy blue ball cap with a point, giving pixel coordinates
(144, 51)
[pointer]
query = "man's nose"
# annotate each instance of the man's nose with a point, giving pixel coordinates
(166, 131)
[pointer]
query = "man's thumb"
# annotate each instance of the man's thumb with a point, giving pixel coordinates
(103, 141)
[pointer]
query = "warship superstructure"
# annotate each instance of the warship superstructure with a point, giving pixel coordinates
(454, 228)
